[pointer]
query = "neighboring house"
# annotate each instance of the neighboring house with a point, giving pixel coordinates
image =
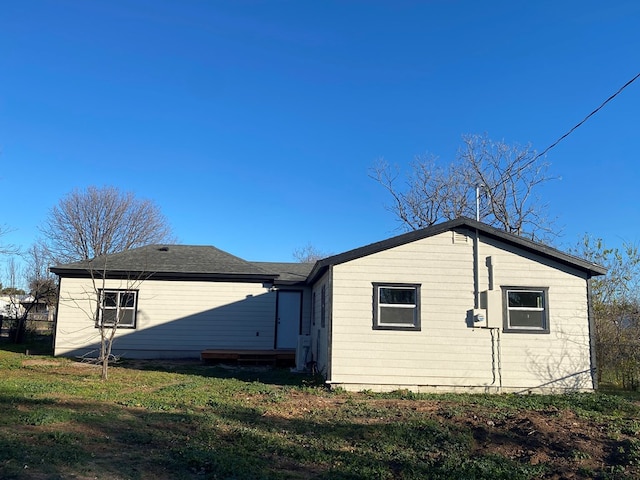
(38, 309)
(10, 306)
(15, 306)
(456, 306)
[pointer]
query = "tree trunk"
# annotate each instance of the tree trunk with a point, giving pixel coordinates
(105, 368)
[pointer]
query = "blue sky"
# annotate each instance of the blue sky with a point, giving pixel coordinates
(253, 124)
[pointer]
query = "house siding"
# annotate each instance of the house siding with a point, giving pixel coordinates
(320, 331)
(305, 326)
(560, 360)
(174, 319)
(447, 354)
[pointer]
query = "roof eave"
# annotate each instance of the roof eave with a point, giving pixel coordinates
(139, 276)
(590, 268)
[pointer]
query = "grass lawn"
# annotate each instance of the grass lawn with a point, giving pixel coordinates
(184, 420)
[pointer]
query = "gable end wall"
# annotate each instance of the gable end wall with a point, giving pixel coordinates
(447, 354)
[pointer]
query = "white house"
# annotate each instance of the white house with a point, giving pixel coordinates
(175, 301)
(456, 306)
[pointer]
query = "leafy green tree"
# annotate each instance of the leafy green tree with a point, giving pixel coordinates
(615, 300)
(12, 291)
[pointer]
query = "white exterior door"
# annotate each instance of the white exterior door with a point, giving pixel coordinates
(288, 319)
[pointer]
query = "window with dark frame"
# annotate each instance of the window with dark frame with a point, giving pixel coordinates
(525, 309)
(118, 307)
(313, 308)
(323, 309)
(396, 306)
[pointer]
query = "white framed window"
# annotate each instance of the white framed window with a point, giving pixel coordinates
(118, 307)
(526, 309)
(396, 306)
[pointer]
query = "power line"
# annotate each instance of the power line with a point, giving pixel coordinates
(503, 180)
(585, 119)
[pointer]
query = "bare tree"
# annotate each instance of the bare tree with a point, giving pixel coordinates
(506, 175)
(89, 225)
(43, 287)
(7, 248)
(97, 221)
(42, 290)
(15, 294)
(309, 254)
(108, 301)
(431, 192)
(112, 308)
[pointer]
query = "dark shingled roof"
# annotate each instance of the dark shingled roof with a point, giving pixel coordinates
(206, 262)
(288, 273)
(177, 261)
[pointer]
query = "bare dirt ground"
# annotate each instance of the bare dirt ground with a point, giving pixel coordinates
(571, 446)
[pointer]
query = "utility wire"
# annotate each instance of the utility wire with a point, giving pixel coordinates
(584, 120)
(503, 180)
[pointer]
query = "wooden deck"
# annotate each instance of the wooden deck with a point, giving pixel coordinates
(250, 357)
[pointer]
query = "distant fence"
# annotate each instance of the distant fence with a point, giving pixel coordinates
(37, 324)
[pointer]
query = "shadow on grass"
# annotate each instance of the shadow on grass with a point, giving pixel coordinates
(264, 374)
(281, 376)
(51, 439)
(37, 345)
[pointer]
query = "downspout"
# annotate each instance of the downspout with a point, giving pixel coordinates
(496, 357)
(496, 347)
(329, 323)
(592, 336)
(55, 315)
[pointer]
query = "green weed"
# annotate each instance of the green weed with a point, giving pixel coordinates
(186, 421)
(45, 416)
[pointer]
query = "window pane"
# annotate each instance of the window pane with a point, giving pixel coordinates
(526, 319)
(525, 300)
(397, 316)
(108, 316)
(402, 296)
(110, 299)
(128, 300)
(126, 318)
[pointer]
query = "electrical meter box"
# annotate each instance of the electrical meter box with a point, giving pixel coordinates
(479, 318)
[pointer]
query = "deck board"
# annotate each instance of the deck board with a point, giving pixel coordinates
(254, 357)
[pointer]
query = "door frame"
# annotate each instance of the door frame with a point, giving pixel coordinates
(277, 319)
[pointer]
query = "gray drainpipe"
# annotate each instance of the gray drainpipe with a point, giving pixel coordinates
(592, 336)
(476, 269)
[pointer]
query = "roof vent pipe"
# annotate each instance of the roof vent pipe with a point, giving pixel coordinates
(478, 187)
(476, 252)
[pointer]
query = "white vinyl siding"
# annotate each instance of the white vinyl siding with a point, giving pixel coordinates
(447, 354)
(319, 333)
(174, 319)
